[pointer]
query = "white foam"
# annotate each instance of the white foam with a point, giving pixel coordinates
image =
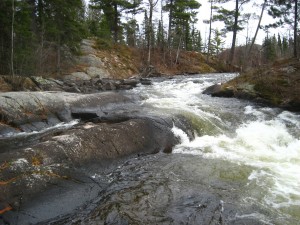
(57, 126)
(266, 145)
(184, 139)
(267, 140)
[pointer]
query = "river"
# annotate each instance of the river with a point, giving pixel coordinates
(244, 156)
(242, 167)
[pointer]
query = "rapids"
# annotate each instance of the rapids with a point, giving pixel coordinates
(238, 132)
(242, 167)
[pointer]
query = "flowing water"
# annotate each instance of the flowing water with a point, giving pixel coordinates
(256, 146)
(242, 167)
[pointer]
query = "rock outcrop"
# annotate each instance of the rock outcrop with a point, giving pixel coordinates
(34, 111)
(275, 85)
(81, 84)
(112, 127)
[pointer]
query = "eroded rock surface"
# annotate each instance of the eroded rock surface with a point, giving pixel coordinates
(33, 111)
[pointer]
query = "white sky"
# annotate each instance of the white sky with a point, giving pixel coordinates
(204, 14)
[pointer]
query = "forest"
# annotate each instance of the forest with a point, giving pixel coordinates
(36, 36)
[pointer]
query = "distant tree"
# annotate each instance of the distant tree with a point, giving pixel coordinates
(279, 45)
(63, 22)
(269, 49)
(233, 22)
(131, 29)
(210, 21)
(150, 34)
(160, 38)
(285, 46)
(217, 42)
(198, 42)
(258, 26)
(286, 11)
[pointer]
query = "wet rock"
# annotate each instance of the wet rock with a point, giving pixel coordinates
(212, 89)
(47, 84)
(28, 110)
(218, 90)
(35, 168)
(130, 82)
(6, 129)
(145, 81)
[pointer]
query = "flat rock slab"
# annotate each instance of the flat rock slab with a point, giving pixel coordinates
(28, 172)
(26, 108)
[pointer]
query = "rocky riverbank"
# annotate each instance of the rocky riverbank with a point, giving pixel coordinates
(51, 138)
(277, 85)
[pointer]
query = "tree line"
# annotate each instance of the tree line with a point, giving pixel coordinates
(37, 35)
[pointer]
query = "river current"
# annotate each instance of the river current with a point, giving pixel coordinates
(254, 145)
(242, 167)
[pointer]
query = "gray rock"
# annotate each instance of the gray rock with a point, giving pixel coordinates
(22, 109)
(39, 166)
(90, 60)
(95, 72)
(77, 76)
(217, 90)
(86, 46)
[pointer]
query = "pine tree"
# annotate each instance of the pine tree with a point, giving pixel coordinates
(232, 21)
(160, 35)
(269, 49)
(279, 45)
(217, 43)
(286, 11)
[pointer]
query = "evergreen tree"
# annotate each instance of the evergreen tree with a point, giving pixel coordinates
(131, 29)
(286, 11)
(269, 49)
(233, 22)
(217, 43)
(285, 46)
(160, 35)
(279, 45)
(112, 10)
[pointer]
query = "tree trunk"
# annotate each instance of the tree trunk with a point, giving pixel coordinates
(209, 35)
(257, 28)
(178, 49)
(295, 29)
(12, 39)
(150, 32)
(235, 26)
(116, 20)
(170, 23)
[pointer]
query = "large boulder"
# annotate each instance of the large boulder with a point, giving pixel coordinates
(218, 90)
(77, 76)
(58, 157)
(27, 111)
(96, 72)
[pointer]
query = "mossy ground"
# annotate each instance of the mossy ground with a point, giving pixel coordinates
(278, 84)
